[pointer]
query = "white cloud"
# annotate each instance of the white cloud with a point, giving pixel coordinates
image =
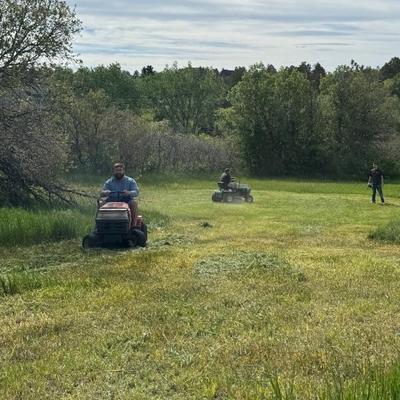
(224, 33)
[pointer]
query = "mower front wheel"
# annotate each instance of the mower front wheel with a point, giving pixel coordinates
(89, 241)
(144, 230)
(250, 198)
(139, 238)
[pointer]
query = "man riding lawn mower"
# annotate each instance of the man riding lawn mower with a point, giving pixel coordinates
(231, 191)
(117, 219)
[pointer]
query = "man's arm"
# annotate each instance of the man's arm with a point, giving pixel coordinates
(382, 180)
(133, 188)
(106, 189)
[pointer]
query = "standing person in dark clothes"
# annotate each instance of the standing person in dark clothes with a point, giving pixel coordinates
(226, 178)
(375, 181)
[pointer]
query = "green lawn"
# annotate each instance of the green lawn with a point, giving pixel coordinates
(281, 299)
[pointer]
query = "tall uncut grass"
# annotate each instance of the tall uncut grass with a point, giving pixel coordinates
(375, 385)
(23, 227)
(387, 233)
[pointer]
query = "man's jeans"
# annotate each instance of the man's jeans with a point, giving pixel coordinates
(376, 188)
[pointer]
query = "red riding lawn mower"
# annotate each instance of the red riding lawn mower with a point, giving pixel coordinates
(114, 227)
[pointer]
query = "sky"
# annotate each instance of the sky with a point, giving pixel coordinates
(229, 33)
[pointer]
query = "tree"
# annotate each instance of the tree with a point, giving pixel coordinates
(317, 73)
(187, 97)
(357, 115)
(89, 122)
(393, 84)
(391, 68)
(120, 86)
(231, 78)
(35, 31)
(305, 69)
(148, 70)
(32, 32)
(272, 117)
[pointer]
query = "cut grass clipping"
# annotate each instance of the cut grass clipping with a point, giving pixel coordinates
(389, 233)
(241, 262)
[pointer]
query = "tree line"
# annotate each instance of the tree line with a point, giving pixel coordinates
(292, 121)
(296, 121)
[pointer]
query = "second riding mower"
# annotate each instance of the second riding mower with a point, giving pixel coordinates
(114, 226)
(232, 193)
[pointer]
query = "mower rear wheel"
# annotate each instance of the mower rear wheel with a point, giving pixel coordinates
(139, 237)
(144, 230)
(249, 198)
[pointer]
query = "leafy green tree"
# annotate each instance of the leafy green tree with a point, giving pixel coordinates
(120, 86)
(89, 123)
(186, 97)
(391, 68)
(357, 115)
(317, 73)
(393, 84)
(231, 78)
(272, 114)
(148, 70)
(32, 32)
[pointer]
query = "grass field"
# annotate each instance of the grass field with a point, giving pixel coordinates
(291, 297)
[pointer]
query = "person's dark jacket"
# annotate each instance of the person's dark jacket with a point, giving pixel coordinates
(375, 177)
(225, 179)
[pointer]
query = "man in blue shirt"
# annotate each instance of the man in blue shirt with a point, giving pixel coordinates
(122, 188)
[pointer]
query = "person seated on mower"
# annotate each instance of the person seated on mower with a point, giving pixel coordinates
(122, 188)
(226, 179)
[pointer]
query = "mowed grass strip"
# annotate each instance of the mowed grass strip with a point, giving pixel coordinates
(281, 299)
